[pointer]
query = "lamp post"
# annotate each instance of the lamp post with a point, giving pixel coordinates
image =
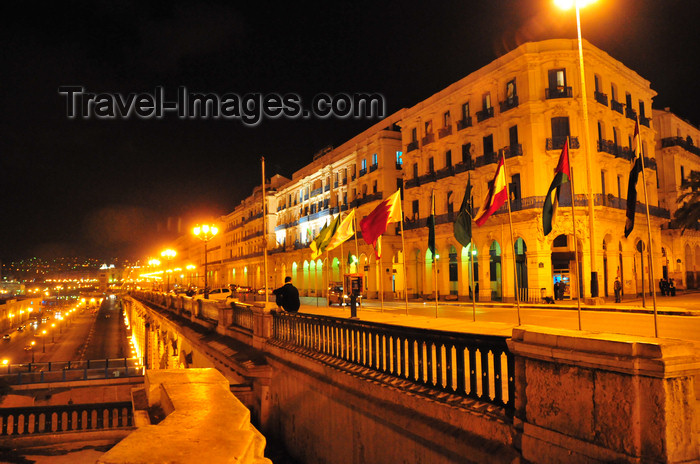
(53, 329)
(168, 254)
(154, 263)
(32, 349)
(43, 341)
(205, 233)
(190, 268)
(566, 4)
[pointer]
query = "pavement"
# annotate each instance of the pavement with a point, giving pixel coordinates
(462, 319)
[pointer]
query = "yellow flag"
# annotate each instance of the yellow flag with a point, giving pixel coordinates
(345, 230)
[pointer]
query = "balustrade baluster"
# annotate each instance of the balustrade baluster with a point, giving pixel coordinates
(485, 391)
(497, 377)
(461, 370)
(473, 375)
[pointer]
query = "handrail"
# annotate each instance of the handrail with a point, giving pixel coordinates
(475, 366)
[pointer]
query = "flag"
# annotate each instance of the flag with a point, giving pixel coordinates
(431, 226)
(561, 176)
(319, 244)
(463, 223)
(496, 196)
(346, 229)
(374, 225)
(632, 185)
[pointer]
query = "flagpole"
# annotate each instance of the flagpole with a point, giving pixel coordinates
(380, 286)
(357, 249)
(328, 279)
(651, 248)
(573, 226)
(435, 281)
(473, 283)
(512, 241)
(405, 276)
(264, 210)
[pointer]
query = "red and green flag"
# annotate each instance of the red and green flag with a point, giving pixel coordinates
(374, 224)
(551, 201)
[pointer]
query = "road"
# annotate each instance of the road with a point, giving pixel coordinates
(83, 335)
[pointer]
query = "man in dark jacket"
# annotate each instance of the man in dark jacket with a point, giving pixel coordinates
(288, 296)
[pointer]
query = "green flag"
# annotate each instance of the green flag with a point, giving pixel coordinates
(431, 225)
(319, 244)
(551, 201)
(463, 223)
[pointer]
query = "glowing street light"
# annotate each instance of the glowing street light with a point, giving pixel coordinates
(205, 233)
(566, 4)
(43, 339)
(168, 254)
(32, 349)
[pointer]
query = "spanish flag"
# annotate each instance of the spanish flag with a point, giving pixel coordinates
(496, 196)
(374, 225)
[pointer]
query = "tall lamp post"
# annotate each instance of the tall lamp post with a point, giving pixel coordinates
(205, 233)
(190, 268)
(168, 254)
(566, 4)
(43, 341)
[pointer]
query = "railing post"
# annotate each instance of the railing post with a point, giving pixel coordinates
(262, 323)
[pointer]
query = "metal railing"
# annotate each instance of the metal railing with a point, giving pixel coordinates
(464, 123)
(601, 98)
(242, 316)
(484, 114)
(31, 420)
(557, 92)
(67, 371)
(475, 366)
(509, 103)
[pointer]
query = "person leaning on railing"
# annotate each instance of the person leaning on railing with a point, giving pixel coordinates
(287, 296)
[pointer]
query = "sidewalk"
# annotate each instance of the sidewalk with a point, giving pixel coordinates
(457, 316)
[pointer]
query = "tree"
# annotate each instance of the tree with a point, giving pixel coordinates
(688, 215)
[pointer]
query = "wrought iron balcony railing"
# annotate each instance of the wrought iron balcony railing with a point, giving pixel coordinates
(429, 138)
(557, 92)
(464, 123)
(509, 103)
(616, 106)
(412, 146)
(601, 98)
(557, 143)
(484, 114)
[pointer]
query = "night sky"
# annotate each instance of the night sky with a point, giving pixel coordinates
(100, 188)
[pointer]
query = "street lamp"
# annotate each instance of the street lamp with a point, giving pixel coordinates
(168, 254)
(53, 329)
(205, 233)
(43, 341)
(190, 268)
(566, 4)
(32, 348)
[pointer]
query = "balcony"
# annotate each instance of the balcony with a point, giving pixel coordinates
(484, 114)
(612, 201)
(466, 165)
(486, 159)
(429, 138)
(512, 150)
(509, 103)
(412, 146)
(335, 184)
(616, 106)
(630, 114)
(447, 171)
(363, 171)
(557, 92)
(445, 131)
(557, 143)
(607, 146)
(373, 167)
(327, 187)
(317, 191)
(601, 98)
(399, 165)
(353, 177)
(464, 123)
(345, 181)
(644, 121)
(686, 144)
(411, 183)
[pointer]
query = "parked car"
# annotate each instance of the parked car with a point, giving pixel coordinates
(336, 295)
(261, 291)
(243, 289)
(214, 294)
(6, 337)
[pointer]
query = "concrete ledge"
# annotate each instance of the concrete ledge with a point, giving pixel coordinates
(204, 422)
(652, 357)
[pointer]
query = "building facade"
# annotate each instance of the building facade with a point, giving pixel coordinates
(523, 106)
